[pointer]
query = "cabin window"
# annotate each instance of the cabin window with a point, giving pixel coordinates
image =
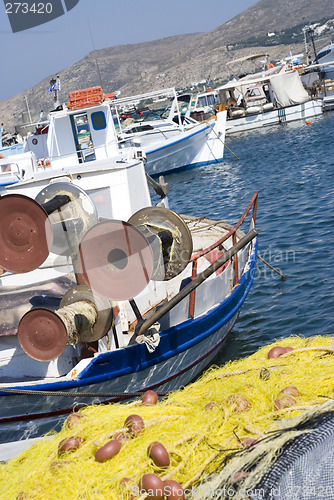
(253, 92)
(323, 53)
(5, 168)
(82, 137)
(98, 120)
(206, 100)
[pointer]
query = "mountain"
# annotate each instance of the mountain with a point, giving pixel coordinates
(179, 61)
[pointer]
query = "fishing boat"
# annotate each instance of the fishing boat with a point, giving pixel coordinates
(318, 77)
(89, 128)
(168, 135)
(103, 295)
(293, 410)
(325, 57)
(322, 67)
(9, 144)
(273, 96)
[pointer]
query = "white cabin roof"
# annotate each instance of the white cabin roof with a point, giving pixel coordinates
(262, 76)
(251, 57)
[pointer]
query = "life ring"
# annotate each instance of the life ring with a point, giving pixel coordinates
(43, 163)
(270, 66)
(35, 141)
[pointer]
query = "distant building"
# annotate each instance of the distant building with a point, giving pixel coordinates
(271, 34)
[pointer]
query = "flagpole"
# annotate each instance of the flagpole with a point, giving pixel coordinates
(55, 87)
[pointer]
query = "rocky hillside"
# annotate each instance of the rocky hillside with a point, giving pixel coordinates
(180, 60)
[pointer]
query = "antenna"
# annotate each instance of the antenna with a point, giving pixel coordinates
(96, 62)
(28, 109)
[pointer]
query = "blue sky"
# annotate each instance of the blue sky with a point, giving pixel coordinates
(32, 55)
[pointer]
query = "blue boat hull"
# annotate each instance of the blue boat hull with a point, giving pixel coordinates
(183, 352)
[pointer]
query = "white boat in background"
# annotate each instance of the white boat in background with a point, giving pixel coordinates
(9, 144)
(259, 101)
(325, 57)
(272, 96)
(323, 65)
(318, 77)
(169, 137)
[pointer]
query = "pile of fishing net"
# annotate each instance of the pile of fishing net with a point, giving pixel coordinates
(220, 437)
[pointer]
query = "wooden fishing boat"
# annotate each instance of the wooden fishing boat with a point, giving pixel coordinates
(103, 295)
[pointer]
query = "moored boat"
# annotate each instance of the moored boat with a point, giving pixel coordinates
(273, 96)
(322, 68)
(318, 77)
(130, 297)
(170, 138)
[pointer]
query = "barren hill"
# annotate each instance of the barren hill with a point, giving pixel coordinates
(180, 60)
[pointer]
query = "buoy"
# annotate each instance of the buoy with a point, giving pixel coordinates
(308, 122)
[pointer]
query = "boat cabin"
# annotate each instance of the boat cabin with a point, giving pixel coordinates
(81, 135)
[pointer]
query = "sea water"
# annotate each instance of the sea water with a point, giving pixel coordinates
(292, 168)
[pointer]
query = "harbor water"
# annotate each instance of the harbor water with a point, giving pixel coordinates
(292, 167)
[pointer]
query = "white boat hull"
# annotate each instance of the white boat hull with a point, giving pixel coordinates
(288, 114)
(199, 146)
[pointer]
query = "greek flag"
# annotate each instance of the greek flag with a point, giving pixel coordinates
(55, 85)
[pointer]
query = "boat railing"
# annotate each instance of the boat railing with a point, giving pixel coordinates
(198, 280)
(234, 260)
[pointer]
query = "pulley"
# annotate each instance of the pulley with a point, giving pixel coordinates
(104, 311)
(169, 238)
(71, 212)
(114, 260)
(25, 234)
(82, 317)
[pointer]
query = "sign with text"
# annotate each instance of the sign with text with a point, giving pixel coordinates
(29, 14)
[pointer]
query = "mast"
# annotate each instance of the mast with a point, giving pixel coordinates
(28, 109)
(310, 31)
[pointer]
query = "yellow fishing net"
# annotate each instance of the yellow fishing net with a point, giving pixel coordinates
(198, 425)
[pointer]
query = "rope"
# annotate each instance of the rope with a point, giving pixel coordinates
(223, 143)
(271, 267)
(239, 372)
(33, 392)
(77, 317)
(308, 406)
(315, 348)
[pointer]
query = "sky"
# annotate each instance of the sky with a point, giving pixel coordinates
(30, 56)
